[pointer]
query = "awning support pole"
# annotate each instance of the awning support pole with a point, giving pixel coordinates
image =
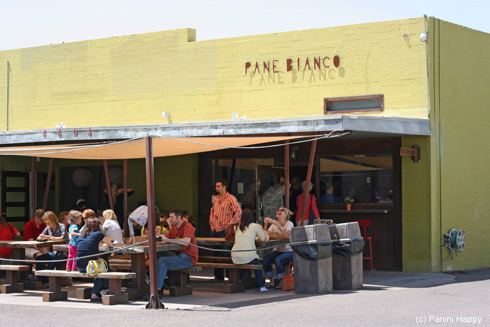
(108, 185)
(154, 302)
(33, 186)
(125, 197)
(48, 183)
(286, 174)
(306, 192)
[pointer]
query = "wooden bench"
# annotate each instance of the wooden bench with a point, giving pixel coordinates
(55, 293)
(178, 281)
(233, 285)
(12, 284)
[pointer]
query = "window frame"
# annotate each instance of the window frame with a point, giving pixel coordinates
(327, 101)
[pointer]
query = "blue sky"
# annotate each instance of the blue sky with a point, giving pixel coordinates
(28, 23)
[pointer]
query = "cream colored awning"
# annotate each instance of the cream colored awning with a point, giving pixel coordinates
(133, 149)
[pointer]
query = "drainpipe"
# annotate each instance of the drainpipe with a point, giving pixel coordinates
(7, 99)
(426, 67)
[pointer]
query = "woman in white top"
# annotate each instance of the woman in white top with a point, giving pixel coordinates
(282, 255)
(111, 227)
(245, 235)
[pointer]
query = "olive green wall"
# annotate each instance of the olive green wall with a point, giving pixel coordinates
(417, 225)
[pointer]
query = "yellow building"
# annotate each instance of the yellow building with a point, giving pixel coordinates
(369, 92)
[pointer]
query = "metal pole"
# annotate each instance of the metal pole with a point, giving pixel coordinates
(33, 186)
(286, 174)
(306, 192)
(125, 197)
(7, 98)
(150, 199)
(108, 184)
(48, 183)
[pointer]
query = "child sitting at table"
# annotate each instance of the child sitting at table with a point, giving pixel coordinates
(75, 218)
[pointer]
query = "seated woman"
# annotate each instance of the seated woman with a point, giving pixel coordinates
(88, 243)
(283, 254)
(54, 231)
(245, 235)
(111, 227)
(7, 233)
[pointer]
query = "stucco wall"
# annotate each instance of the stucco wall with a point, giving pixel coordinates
(131, 80)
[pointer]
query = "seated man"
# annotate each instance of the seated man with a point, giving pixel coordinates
(182, 259)
(32, 230)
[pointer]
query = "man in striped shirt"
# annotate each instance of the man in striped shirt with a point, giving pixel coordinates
(225, 211)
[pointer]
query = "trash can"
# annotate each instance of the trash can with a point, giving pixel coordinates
(347, 246)
(312, 257)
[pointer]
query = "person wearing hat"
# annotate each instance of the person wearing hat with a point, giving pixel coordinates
(283, 254)
(311, 208)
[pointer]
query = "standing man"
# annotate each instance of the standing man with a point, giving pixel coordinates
(182, 259)
(225, 211)
(32, 230)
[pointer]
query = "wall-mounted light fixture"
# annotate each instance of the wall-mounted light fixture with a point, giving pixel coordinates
(423, 36)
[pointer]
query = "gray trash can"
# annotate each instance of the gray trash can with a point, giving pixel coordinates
(312, 257)
(347, 246)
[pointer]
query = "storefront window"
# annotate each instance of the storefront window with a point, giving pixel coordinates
(241, 175)
(365, 179)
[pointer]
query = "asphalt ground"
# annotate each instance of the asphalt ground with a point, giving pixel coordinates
(387, 298)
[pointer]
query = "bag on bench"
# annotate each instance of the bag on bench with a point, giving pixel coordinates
(96, 267)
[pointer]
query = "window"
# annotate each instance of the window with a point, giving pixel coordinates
(352, 104)
(365, 179)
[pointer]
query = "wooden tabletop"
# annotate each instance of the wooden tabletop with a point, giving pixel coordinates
(123, 248)
(206, 241)
(29, 244)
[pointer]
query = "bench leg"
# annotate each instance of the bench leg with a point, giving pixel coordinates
(11, 283)
(233, 285)
(115, 295)
(178, 283)
(83, 293)
(55, 293)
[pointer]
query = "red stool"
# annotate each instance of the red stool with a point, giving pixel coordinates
(369, 239)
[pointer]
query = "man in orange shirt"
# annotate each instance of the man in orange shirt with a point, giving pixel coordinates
(225, 211)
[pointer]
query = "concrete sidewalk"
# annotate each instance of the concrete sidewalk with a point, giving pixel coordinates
(209, 296)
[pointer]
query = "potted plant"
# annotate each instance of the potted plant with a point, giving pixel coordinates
(348, 203)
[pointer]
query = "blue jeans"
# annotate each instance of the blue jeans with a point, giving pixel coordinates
(171, 262)
(258, 273)
(48, 266)
(279, 259)
(219, 273)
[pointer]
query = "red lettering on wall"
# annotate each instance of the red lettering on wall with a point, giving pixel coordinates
(266, 66)
(325, 65)
(247, 66)
(307, 64)
(316, 63)
(274, 66)
(298, 64)
(289, 67)
(256, 68)
(336, 61)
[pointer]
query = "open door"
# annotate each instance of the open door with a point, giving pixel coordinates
(266, 177)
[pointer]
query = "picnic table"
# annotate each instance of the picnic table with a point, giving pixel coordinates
(213, 241)
(233, 284)
(18, 248)
(137, 257)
